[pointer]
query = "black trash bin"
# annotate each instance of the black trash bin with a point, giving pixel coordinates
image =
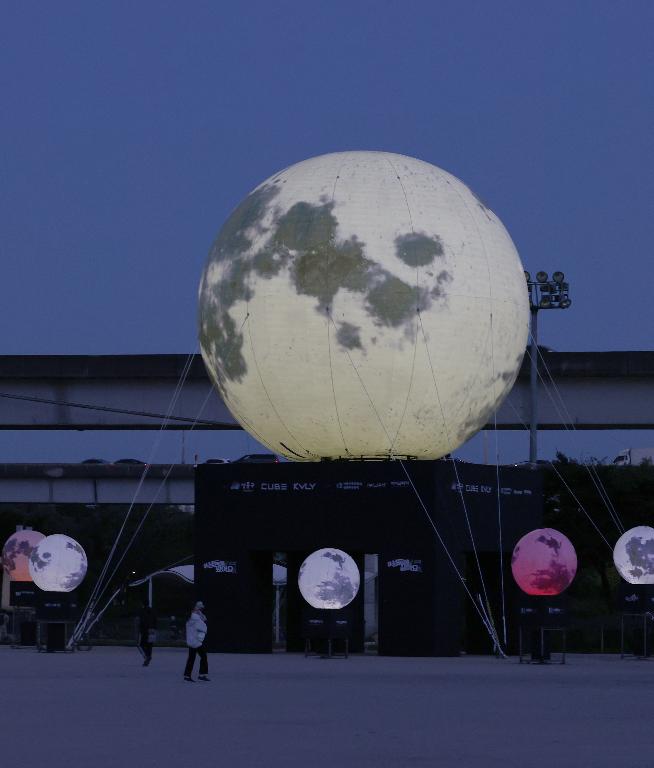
(28, 633)
(56, 637)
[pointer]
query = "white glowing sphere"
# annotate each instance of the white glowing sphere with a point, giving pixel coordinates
(329, 578)
(58, 563)
(363, 304)
(16, 554)
(633, 555)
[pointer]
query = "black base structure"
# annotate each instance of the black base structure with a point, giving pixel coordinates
(56, 615)
(27, 634)
(23, 594)
(541, 620)
(636, 606)
(245, 513)
(299, 614)
(327, 632)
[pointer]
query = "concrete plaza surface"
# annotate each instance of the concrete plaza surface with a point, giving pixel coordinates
(102, 708)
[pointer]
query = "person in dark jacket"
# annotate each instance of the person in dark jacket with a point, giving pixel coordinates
(147, 631)
(196, 632)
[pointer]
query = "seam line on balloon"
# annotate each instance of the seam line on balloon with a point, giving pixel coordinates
(329, 341)
(408, 394)
(490, 291)
(366, 391)
(237, 413)
(265, 389)
(331, 376)
(415, 341)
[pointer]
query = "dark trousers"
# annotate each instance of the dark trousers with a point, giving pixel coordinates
(204, 664)
(145, 647)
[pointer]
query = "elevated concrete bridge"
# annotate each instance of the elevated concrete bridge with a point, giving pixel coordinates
(600, 390)
(593, 390)
(93, 484)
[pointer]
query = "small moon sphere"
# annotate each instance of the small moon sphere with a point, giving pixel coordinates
(633, 555)
(544, 562)
(58, 564)
(329, 578)
(16, 554)
(363, 305)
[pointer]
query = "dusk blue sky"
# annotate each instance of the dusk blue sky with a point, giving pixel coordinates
(130, 130)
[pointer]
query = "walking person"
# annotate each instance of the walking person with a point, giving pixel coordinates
(147, 632)
(196, 632)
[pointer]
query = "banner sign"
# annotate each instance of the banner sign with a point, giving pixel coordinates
(404, 564)
(478, 488)
(221, 566)
(249, 486)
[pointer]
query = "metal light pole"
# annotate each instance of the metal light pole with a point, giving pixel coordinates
(533, 386)
(543, 294)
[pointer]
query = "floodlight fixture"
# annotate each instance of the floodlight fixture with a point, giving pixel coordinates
(548, 294)
(543, 294)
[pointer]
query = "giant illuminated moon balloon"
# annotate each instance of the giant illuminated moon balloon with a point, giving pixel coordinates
(58, 564)
(544, 562)
(363, 304)
(633, 555)
(329, 578)
(16, 553)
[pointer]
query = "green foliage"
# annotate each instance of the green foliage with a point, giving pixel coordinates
(570, 488)
(166, 536)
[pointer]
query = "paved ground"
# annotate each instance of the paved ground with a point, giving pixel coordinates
(102, 708)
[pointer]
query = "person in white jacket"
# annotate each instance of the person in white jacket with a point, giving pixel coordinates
(196, 632)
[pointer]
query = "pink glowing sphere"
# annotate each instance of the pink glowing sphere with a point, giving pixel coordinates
(16, 554)
(544, 562)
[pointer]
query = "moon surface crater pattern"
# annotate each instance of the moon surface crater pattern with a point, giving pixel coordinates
(544, 562)
(362, 304)
(329, 578)
(633, 555)
(58, 563)
(16, 554)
